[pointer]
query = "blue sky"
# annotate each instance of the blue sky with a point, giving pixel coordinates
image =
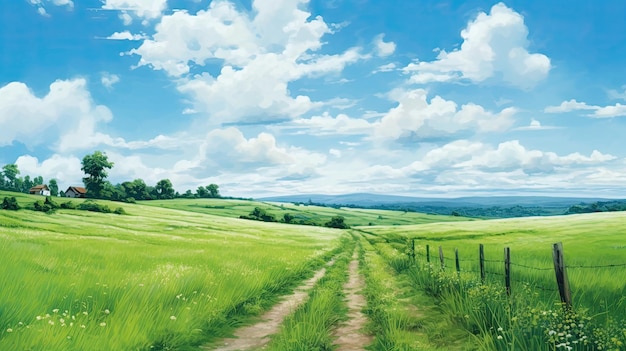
(422, 98)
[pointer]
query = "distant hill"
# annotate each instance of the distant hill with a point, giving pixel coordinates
(477, 206)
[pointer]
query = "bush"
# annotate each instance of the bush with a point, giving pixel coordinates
(93, 206)
(119, 211)
(69, 205)
(337, 222)
(10, 203)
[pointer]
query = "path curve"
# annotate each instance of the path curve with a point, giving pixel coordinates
(255, 336)
(349, 335)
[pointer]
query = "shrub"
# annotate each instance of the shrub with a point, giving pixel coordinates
(119, 211)
(69, 205)
(10, 203)
(93, 206)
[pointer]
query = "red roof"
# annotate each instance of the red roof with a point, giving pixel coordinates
(77, 189)
(37, 188)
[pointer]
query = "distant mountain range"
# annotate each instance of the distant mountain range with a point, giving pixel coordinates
(368, 200)
(477, 206)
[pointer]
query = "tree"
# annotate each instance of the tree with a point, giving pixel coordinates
(54, 187)
(164, 189)
(27, 184)
(337, 222)
(38, 180)
(202, 192)
(10, 173)
(10, 203)
(288, 217)
(95, 167)
(213, 190)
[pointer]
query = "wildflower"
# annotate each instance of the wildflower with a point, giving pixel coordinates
(500, 329)
(82, 326)
(173, 318)
(56, 310)
(499, 337)
(103, 324)
(39, 318)
(107, 311)
(9, 330)
(62, 320)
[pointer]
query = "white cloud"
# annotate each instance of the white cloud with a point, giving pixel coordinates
(147, 9)
(568, 106)
(512, 155)
(126, 35)
(66, 169)
(416, 118)
(384, 48)
(260, 53)
(41, 5)
(328, 125)
(108, 79)
(617, 110)
(494, 44)
(67, 109)
(535, 125)
(386, 68)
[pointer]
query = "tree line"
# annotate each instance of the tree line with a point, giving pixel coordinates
(96, 166)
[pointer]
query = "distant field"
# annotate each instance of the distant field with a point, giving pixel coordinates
(155, 279)
(315, 214)
(594, 246)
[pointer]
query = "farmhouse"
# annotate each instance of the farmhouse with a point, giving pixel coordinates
(75, 191)
(40, 190)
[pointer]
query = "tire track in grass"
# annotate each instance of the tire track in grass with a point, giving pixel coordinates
(256, 336)
(350, 335)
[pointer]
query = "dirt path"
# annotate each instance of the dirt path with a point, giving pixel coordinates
(349, 335)
(256, 336)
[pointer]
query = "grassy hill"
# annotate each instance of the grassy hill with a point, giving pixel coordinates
(314, 214)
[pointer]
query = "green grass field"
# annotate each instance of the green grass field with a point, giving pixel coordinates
(153, 279)
(595, 254)
(173, 275)
(315, 214)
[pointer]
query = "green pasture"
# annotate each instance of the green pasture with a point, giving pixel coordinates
(531, 319)
(154, 279)
(315, 214)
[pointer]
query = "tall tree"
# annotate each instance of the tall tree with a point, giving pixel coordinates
(54, 187)
(202, 192)
(164, 189)
(27, 184)
(38, 180)
(10, 173)
(213, 190)
(95, 167)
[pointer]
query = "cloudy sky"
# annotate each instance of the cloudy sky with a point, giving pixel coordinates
(423, 98)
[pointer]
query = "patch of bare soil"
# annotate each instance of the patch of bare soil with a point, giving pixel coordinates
(256, 336)
(350, 335)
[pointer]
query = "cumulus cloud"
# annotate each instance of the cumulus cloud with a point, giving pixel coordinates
(63, 168)
(326, 124)
(147, 9)
(384, 48)
(494, 44)
(416, 118)
(126, 35)
(259, 52)
(617, 110)
(67, 110)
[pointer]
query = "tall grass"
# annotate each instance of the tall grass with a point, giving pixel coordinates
(532, 318)
(310, 327)
(155, 279)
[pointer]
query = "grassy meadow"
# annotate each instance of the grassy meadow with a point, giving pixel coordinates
(154, 279)
(317, 215)
(177, 274)
(532, 318)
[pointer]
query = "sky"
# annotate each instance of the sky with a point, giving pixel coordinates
(277, 97)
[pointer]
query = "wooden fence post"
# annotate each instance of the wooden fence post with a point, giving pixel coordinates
(456, 259)
(507, 270)
(481, 257)
(561, 274)
(443, 264)
(413, 249)
(428, 253)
